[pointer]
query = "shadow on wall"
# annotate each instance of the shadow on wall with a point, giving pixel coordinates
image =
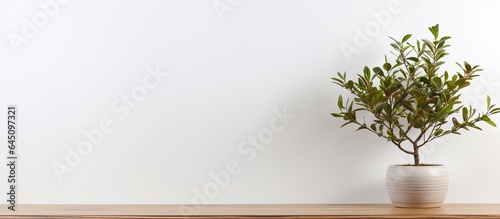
(353, 164)
(363, 171)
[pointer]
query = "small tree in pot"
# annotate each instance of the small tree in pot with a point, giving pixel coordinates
(411, 101)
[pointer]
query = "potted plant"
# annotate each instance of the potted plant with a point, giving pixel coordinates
(411, 102)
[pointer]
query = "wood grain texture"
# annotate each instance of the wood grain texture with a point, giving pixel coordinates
(254, 217)
(247, 211)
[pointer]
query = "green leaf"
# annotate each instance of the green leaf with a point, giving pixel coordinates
(437, 81)
(446, 132)
(373, 127)
(336, 115)
(405, 38)
(340, 75)
(438, 104)
(411, 68)
(347, 123)
(361, 82)
(435, 30)
(378, 71)
(395, 46)
(475, 126)
(409, 117)
(488, 120)
(443, 113)
(465, 113)
(488, 101)
(445, 38)
(455, 122)
(340, 102)
(495, 111)
(377, 96)
(438, 132)
(394, 40)
(415, 59)
(361, 127)
(467, 66)
(427, 61)
(366, 71)
(380, 107)
(387, 66)
(428, 44)
(441, 62)
(441, 44)
(407, 105)
(350, 83)
(418, 124)
(424, 80)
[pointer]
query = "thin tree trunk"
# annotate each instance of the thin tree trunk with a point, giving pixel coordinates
(416, 156)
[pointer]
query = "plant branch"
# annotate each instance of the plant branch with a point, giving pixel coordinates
(401, 148)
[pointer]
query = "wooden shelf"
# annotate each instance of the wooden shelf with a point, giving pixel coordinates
(247, 211)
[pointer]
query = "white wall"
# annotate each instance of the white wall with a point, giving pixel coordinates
(228, 79)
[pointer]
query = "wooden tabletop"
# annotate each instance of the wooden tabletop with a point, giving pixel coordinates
(322, 211)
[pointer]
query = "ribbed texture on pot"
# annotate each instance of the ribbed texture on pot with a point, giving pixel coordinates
(417, 186)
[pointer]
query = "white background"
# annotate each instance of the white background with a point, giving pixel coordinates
(226, 76)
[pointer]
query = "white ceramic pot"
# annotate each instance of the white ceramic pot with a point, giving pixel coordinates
(417, 186)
